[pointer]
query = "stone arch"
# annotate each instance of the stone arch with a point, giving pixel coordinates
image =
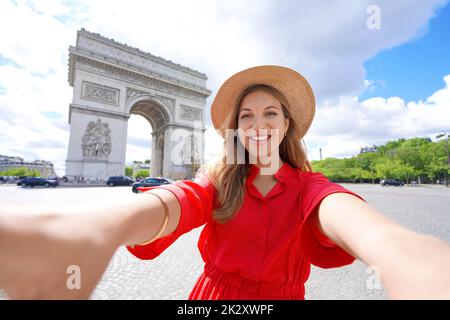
(110, 82)
(154, 100)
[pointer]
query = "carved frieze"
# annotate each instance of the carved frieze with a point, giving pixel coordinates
(99, 93)
(138, 79)
(190, 114)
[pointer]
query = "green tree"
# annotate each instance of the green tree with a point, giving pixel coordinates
(142, 174)
(366, 161)
(129, 171)
(356, 173)
(404, 159)
(369, 175)
(394, 169)
(436, 165)
(390, 148)
(20, 172)
(414, 153)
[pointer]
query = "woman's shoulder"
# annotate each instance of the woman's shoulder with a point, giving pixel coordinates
(310, 180)
(203, 177)
(307, 175)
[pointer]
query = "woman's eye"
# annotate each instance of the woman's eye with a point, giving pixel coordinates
(269, 113)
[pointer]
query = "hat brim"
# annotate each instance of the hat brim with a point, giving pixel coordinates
(290, 83)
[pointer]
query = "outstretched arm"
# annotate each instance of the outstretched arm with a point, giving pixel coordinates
(411, 265)
(38, 245)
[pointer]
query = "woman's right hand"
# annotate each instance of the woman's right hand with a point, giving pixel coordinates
(52, 256)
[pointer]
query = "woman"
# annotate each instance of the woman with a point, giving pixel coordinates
(267, 215)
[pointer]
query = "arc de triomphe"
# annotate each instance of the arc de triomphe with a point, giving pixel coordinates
(110, 82)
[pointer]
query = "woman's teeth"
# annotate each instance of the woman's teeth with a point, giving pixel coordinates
(259, 138)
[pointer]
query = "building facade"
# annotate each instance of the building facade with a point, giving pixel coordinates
(44, 167)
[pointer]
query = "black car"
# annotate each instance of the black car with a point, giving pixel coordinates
(19, 182)
(392, 182)
(119, 181)
(150, 182)
(35, 182)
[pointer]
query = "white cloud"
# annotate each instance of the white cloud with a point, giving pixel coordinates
(48, 7)
(328, 42)
(26, 131)
(37, 42)
(343, 128)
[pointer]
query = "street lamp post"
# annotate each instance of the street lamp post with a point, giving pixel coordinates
(448, 154)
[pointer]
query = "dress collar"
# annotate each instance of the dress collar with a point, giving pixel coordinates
(283, 174)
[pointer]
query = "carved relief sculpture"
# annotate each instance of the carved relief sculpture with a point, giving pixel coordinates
(96, 140)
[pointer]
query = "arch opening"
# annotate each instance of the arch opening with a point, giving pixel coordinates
(145, 138)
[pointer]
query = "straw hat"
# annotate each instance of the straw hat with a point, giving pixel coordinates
(290, 83)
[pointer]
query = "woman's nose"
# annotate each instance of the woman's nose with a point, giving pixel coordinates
(259, 123)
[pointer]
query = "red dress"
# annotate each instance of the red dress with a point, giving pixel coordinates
(266, 250)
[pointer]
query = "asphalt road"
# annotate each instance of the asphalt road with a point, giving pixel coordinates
(424, 209)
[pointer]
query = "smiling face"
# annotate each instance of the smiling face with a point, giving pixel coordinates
(261, 124)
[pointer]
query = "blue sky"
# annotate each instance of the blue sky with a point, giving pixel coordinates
(413, 70)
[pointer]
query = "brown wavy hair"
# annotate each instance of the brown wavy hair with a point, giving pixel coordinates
(229, 179)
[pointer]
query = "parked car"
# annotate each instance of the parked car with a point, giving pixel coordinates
(35, 182)
(119, 181)
(19, 181)
(150, 182)
(392, 182)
